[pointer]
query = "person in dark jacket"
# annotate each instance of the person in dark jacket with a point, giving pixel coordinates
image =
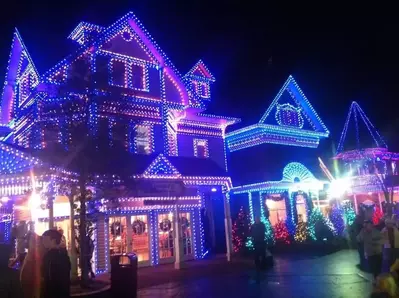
(56, 267)
(10, 286)
(258, 230)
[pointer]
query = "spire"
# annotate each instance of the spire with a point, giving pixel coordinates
(358, 118)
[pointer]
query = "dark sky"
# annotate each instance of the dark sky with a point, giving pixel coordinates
(337, 54)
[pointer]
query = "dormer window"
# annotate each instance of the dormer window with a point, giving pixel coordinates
(201, 149)
(202, 89)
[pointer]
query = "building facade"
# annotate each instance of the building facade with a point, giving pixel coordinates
(120, 90)
(281, 153)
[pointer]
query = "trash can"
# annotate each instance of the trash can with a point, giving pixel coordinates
(124, 276)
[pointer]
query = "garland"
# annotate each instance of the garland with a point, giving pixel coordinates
(165, 225)
(184, 224)
(116, 228)
(138, 227)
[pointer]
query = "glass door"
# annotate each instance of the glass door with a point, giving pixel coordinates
(117, 235)
(140, 242)
(165, 237)
(186, 233)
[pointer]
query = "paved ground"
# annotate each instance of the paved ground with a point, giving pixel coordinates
(331, 276)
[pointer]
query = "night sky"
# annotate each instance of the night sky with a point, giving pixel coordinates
(336, 54)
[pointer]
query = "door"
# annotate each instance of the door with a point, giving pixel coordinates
(187, 235)
(165, 238)
(117, 235)
(140, 241)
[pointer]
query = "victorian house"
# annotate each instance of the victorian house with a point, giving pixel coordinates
(118, 90)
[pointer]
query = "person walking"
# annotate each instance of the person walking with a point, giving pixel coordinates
(56, 267)
(10, 286)
(371, 239)
(390, 236)
(30, 275)
(258, 230)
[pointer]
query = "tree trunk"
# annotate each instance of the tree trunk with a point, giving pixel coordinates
(73, 253)
(82, 231)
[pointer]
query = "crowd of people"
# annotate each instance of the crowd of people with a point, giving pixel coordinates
(378, 247)
(44, 271)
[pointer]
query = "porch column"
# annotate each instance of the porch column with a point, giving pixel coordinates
(251, 208)
(178, 240)
(379, 200)
(50, 212)
(355, 203)
(129, 234)
(227, 226)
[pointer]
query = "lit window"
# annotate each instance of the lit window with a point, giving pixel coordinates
(143, 139)
(201, 148)
(301, 208)
(277, 211)
(202, 89)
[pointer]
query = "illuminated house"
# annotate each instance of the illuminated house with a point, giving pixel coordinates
(364, 162)
(122, 87)
(280, 154)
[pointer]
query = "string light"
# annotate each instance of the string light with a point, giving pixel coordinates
(356, 110)
(149, 88)
(290, 121)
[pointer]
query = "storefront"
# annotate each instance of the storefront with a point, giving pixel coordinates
(289, 200)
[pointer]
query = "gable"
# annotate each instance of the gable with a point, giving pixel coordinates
(161, 168)
(15, 161)
(20, 65)
(290, 120)
(291, 108)
(200, 72)
(127, 43)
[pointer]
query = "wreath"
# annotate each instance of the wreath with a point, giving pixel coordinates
(165, 225)
(138, 227)
(116, 228)
(184, 223)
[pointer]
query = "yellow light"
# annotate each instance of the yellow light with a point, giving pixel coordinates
(34, 201)
(270, 204)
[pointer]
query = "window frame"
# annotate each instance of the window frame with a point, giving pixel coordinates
(201, 142)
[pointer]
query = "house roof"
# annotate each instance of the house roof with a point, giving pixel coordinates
(18, 62)
(122, 163)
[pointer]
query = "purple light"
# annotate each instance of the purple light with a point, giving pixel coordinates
(214, 189)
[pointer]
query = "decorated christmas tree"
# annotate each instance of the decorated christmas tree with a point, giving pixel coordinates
(337, 219)
(281, 233)
(377, 215)
(269, 235)
(301, 231)
(240, 230)
(349, 213)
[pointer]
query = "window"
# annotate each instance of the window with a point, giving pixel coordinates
(301, 208)
(118, 73)
(137, 77)
(277, 210)
(143, 139)
(201, 148)
(127, 74)
(202, 89)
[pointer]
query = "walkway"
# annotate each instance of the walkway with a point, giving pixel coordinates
(331, 276)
